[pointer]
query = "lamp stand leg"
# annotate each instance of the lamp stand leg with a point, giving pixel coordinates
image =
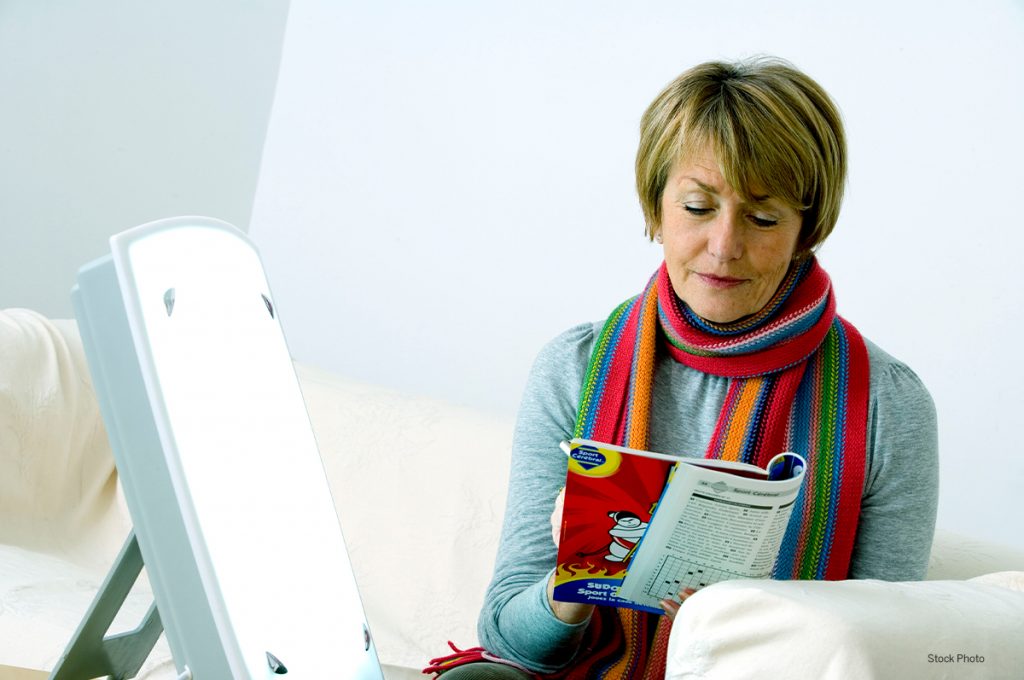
(90, 654)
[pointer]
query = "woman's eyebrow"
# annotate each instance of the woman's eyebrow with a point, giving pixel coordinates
(703, 187)
(714, 190)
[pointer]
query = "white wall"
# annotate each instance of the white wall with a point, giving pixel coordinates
(118, 112)
(445, 187)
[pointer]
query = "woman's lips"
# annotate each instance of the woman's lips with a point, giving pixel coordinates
(719, 281)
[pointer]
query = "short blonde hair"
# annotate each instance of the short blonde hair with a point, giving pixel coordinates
(771, 127)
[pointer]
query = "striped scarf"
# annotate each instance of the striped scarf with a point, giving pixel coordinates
(798, 382)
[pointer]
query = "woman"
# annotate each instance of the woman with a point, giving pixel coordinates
(733, 350)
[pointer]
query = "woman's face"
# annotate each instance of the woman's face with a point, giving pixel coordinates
(725, 256)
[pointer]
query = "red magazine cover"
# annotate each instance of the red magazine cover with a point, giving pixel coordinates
(609, 499)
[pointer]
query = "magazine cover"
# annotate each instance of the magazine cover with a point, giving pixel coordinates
(609, 499)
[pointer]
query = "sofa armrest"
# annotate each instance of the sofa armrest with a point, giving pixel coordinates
(58, 486)
(849, 629)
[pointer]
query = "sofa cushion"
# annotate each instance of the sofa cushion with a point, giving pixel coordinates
(955, 556)
(420, 486)
(43, 599)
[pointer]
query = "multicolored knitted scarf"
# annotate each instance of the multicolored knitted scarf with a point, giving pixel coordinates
(798, 382)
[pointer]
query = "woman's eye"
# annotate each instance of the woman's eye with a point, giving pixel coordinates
(693, 210)
(763, 221)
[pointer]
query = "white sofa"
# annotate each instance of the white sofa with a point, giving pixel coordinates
(419, 486)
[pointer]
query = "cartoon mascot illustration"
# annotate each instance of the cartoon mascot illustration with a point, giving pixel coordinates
(627, 530)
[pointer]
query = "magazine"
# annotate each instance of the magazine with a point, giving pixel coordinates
(638, 526)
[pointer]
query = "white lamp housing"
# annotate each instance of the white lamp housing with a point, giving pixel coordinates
(220, 468)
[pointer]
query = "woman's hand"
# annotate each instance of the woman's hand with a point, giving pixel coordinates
(568, 612)
(671, 607)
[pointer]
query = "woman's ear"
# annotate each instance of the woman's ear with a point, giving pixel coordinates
(802, 254)
(652, 232)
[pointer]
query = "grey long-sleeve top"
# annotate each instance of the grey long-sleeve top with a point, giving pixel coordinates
(897, 517)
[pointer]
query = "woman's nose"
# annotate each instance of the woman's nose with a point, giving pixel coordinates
(725, 237)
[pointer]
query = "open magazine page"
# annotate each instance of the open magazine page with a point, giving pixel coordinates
(710, 526)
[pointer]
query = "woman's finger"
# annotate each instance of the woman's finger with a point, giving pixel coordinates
(556, 517)
(671, 607)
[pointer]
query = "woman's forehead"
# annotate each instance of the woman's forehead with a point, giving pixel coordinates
(754, 176)
(706, 172)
